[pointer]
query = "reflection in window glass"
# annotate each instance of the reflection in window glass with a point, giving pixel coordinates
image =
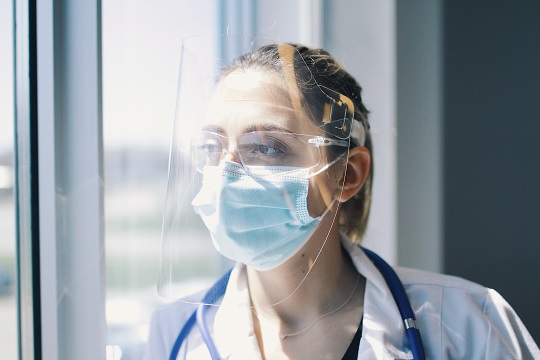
(141, 49)
(8, 304)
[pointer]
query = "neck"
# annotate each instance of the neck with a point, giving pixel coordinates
(318, 279)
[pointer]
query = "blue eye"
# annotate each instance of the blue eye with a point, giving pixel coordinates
(268, 150)
(262, 151)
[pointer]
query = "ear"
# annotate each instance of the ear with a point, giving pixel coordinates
(355, 175)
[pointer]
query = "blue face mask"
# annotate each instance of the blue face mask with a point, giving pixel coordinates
(260, 221)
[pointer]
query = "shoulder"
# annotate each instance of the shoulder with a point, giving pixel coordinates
(174, 313)
(451, 311)
(166, 323)
(419, 278)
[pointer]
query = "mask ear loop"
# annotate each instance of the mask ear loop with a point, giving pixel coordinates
(328, 165)
(327, 235)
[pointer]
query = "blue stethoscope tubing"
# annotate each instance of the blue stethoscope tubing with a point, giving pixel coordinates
(402, 301)
(215, 292)
(218, 289)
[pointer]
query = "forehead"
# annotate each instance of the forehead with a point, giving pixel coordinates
(255, 100)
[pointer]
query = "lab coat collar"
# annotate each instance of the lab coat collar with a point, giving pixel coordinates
(383, 333)
(233, 325)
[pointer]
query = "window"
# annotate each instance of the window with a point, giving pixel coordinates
(8, 304)
(141, 52)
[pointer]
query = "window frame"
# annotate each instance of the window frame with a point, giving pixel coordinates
(59, 180)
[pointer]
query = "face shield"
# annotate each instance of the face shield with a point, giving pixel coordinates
(253, 130)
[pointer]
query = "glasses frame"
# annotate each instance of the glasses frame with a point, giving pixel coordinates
(317, 141)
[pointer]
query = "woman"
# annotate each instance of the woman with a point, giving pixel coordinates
(286, 160)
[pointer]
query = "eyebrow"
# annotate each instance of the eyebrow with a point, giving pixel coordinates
(259, 127)
(213, 128)
(266, 127)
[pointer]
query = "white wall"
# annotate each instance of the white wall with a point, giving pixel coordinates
(361, 34)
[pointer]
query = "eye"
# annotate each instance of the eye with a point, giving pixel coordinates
(207, 149)
(211, 148)
(210, 144)
(268, 150)
(263, 146)
(259, 148)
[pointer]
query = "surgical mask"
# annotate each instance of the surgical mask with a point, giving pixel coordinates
(261, 221)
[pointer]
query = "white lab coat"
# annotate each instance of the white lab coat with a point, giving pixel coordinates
(458, 319)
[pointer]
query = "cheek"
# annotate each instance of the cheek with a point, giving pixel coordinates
(320, 194)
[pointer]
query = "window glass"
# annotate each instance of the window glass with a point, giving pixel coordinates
(8, 304)
(141, 50)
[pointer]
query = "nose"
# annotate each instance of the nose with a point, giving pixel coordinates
(231, 156)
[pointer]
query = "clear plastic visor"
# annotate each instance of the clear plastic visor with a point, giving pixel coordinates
(246, 127)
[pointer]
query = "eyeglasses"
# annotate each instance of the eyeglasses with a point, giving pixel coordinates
(261, 149)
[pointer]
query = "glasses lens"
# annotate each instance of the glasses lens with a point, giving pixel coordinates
(257, 149)
(206, 149)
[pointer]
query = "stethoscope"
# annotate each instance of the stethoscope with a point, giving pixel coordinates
(218, 289)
